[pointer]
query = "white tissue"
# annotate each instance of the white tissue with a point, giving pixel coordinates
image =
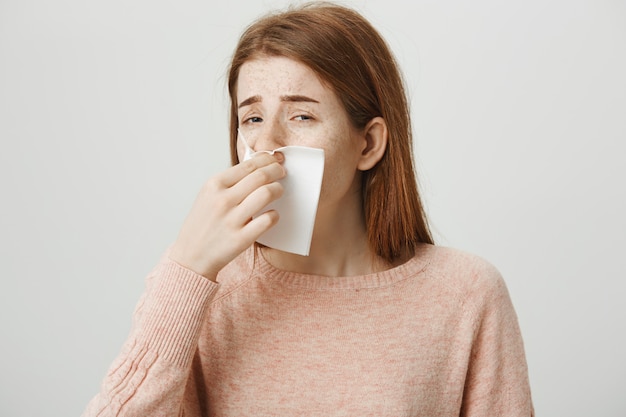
(297, 206)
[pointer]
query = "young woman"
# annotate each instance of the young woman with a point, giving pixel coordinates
(376, 320)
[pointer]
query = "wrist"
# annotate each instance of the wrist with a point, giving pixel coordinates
(195, 264)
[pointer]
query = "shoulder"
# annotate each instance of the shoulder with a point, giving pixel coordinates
(460, 267)
(470, 278)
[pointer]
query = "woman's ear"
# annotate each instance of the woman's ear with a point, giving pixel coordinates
(375, 143)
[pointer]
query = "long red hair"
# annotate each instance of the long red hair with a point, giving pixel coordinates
(347, 52)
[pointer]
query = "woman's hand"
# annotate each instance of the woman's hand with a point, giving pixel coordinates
(220, 226)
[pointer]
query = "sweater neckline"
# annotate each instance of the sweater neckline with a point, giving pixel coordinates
(412, 267)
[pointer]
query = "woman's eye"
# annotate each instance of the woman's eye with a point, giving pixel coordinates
(253, 120)
(302, 117)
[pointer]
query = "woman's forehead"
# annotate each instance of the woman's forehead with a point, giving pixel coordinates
(279, 76)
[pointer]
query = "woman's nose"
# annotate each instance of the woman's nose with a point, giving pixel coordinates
(270, 137)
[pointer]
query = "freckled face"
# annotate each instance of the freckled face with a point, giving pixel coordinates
(282, 102)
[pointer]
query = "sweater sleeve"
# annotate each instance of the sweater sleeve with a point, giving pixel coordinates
(149, 375)
(497, 380)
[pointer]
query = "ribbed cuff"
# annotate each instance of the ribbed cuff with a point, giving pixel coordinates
(174, 311)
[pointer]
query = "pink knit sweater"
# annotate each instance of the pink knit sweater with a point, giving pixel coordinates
(437, 336)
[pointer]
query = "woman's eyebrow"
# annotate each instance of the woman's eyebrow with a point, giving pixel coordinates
(288, 98)
(250, 100)
(298, 98)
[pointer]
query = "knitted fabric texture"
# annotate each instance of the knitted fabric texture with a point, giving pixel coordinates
(436, 336)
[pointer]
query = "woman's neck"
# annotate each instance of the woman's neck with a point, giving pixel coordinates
(339, 247)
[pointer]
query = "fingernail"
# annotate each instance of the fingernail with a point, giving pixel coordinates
(279, 156)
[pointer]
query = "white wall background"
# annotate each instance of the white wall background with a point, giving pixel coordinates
(112, 114)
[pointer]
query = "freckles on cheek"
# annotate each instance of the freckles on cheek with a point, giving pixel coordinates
(334, 176)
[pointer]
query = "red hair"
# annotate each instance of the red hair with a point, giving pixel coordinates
(345, 50)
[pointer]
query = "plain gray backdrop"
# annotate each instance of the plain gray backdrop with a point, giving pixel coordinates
(113, 113)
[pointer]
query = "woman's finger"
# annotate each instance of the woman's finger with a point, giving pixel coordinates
(255, 180)
(257, 200)
(259, 225)
(234, 174)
